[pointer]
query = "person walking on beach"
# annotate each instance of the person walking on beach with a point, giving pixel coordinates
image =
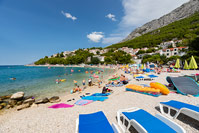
(89, 82)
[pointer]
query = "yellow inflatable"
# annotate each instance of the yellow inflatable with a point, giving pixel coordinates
(163, 89)
(63, 80)
(142, 88)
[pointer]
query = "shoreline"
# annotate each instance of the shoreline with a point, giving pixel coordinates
(82, 66)
(67, 95)
(42, 119)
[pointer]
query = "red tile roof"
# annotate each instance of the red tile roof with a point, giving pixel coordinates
(171, 49)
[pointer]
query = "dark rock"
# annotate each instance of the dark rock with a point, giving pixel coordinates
(19, 103)
(3, 104)
(30, 101)
(8, 106)
(12, 102)
(5, 97)
(39, 101)
(54, 99)
(23, 106)
(17, 96)
(28, 97)
(1, 107)
(1, 100)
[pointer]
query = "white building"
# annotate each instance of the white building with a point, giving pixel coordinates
(165, 45)
(173, 51)
(101, 58)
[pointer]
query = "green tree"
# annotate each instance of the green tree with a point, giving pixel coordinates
(95, 60)
(98, 52)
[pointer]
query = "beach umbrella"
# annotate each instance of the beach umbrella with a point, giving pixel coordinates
(177, 65)
(142, 66)
(186, 67)
(193, 64)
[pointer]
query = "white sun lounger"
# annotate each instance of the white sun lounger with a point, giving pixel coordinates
(144, 122)
(174, 108)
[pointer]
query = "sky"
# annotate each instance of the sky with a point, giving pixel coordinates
(32, 29)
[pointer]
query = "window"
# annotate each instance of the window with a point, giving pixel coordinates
(175, 49)
(167, 50)
(167, 54)
(175, 53)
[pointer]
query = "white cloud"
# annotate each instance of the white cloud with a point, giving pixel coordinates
(139, 12)
(111, 16)
(95, 36)
(111, 40)
(68, 15)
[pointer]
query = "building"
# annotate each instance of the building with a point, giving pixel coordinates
(101, 58)
(127, 50)
(135, 51)
(145, 49)
(134, 57)
(173, 51)
(165, 45)
(142, 55)
(66, 53)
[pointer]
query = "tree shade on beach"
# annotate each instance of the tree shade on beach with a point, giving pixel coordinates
(193, 64)
(186, 67)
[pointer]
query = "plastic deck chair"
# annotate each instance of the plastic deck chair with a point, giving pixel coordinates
(95, 123)
(179, 107)
(144, 122)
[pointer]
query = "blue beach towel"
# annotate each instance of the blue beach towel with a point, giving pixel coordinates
(101, 94)
(95, 98)
(152, 76)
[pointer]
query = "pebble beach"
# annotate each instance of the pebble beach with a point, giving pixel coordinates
(41, 119)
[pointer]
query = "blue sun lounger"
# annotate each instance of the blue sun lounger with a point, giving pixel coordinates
(95, 123)
(177, 107)
(144, 122)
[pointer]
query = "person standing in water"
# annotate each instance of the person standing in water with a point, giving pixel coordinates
(75, 82)
(84, 83)
(99, 83)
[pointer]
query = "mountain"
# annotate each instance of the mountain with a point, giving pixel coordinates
(179, 13)
(184, 30)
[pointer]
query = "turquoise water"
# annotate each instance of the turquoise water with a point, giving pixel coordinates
(40, 81)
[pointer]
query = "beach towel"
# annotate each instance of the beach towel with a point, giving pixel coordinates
(83, 102)
(61, 105)
(95, 98)
(101, 94)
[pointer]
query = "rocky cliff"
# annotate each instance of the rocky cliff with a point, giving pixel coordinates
(181, 12)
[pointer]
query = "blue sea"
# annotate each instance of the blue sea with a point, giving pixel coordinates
(40, 81)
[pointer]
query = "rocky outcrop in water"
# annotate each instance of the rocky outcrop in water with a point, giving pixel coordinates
(20, 102)
(179, 13)
(17, 96)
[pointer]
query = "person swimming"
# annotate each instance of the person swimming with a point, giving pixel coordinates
(57, 81)
(13, 78)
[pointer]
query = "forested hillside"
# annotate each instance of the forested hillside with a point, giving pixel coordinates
(186, 29)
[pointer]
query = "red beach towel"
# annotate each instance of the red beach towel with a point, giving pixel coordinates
(61, 105)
